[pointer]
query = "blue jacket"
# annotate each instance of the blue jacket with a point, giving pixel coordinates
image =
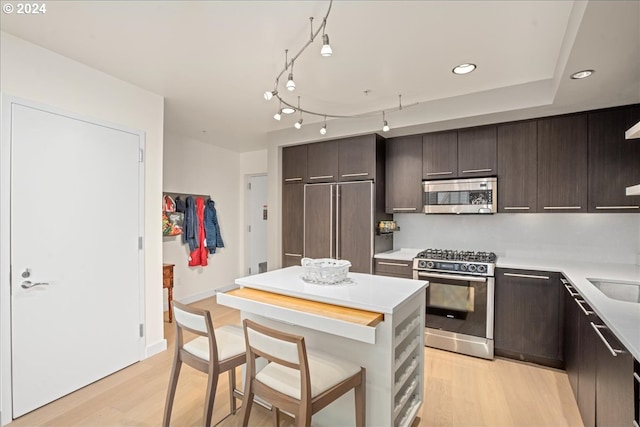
(211, 227)
(190, 225)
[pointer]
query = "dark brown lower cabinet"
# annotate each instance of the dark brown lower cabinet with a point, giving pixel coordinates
(529, 316)
(587, 368)
(393, 268)
(571, 335)
(614, 381)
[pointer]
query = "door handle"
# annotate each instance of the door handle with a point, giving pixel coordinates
(28, 284)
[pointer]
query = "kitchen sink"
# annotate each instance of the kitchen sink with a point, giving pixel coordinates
(618, 290)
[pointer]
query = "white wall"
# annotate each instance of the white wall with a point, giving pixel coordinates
(192, 166)
(33, 73)
(604, 237)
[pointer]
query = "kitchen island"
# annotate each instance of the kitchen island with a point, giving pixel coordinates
(374, 321)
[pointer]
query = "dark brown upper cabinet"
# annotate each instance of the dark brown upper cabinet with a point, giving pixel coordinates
(614, 162)
(322, 163)
(404, 175)
(562, 164)
(477, 152)
(440, 155)
(294, 164)
(360, 158)
(517, 167)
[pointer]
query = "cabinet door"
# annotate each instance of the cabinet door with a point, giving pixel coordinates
(571, 336)
(393, 268)
(477, 152)
(404, 175)
(292, 223)
(319, 221)
(614, 383)
(587, 370)
(517, 167)
(562, 164)
(355, 230)
(322, 162)
(357, 158)
(528, 316)
(614, 162)
(440, 155)
(294, 164)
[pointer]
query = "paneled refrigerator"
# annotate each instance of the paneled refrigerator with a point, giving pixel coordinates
(340, 222)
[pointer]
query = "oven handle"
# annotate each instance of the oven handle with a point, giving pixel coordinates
(452, 277)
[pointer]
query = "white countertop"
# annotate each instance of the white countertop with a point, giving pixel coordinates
(365, 291)
(623, 318)
(404, 254)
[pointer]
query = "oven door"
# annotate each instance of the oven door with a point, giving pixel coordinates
(459, 304)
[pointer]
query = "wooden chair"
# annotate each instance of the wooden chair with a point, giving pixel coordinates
(295, 380)
(213, 352)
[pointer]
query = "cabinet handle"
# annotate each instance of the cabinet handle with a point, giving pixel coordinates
(477, 170)
(404, 209)
(564, 281)
(516, 208)
(561, 207)
(612, 350)
(395, 264)
(345, 175)
(527, 276)
(635, 424)
(296, 255)
(584, 310)
(321, 177)
(637, 377)
(439, 173)
(617, 207)
(573, 294)
(292, 179)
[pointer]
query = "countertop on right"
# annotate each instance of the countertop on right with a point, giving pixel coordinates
(623, 318)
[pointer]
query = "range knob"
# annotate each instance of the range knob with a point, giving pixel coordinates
(430, 264)
(463, 267)
(482, 268)
(472, 267)
(422, 264)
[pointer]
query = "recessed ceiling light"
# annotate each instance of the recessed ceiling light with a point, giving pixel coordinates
(581, 74)
(464, 68)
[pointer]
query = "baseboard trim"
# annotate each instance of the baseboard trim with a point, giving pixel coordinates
(155, 348)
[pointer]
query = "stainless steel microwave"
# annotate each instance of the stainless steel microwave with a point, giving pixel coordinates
(461, 196)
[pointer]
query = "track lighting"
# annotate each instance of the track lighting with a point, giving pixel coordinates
(269, 94)
(298, 124)
(278, 115)
(385, 125)
(291, 85)
(288, 110)
(323, 129)
(326, 47)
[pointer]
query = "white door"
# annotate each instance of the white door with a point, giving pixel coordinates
(258, 213)
(74, 239)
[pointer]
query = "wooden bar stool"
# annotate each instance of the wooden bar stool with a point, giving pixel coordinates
(213, 352)
(295, 380)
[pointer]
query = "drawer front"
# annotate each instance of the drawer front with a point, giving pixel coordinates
(393, 267)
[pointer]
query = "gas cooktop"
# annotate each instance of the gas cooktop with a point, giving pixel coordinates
(453, 255)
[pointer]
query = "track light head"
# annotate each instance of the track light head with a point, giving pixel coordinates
(326, 47)
(278, 115)
(291, 85)
(288, 110)
(385, 126)
(269, 94)
(323, 130)
(298, 124)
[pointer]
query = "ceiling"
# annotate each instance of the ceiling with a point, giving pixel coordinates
(212, 60)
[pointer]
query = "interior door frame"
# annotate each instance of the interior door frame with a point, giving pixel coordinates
(6, 103)
(247, 220)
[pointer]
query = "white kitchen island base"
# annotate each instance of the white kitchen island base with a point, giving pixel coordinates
(393, 361)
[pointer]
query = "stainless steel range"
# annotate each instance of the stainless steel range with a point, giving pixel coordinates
(460, 297)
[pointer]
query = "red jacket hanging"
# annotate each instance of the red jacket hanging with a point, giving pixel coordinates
(199, 256)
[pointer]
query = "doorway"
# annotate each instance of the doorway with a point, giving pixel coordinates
(257, 213)
(71, 208)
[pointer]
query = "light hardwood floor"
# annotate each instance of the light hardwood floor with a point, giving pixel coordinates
(459, 391)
